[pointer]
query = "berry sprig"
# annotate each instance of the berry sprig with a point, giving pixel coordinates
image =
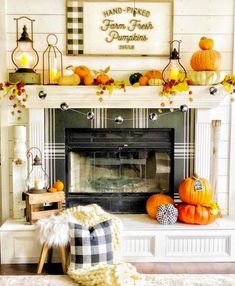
(16, 94)
(172, 87)
(109, 87)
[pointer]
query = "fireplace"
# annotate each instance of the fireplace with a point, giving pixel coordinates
(118, 168)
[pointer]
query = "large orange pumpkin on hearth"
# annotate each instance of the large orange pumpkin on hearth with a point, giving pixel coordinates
(205, 59)
(154, 202)
(195, 191)
(197, 214)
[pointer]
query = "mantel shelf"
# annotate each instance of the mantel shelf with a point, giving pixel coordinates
(134, 97)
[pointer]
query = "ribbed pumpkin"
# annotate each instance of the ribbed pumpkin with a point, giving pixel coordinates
(153, 74)
(155, 201)
(195, 191)
(206, 59)
(197, 214)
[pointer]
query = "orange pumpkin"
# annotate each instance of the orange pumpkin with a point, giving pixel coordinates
(58, 185)
(143, 80)
(52, 190)
(153, 74)
(197, 214)
(88, 80)
(154, 202)
(206, 43)
(82, 71)
(102, 79)
(206, 59)
(195, 191)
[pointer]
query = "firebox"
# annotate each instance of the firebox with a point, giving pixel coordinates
(118, 168)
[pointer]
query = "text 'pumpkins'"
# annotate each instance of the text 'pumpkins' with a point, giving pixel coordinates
(195, 191)
(154, 202)
(197, 214)
(205, 59)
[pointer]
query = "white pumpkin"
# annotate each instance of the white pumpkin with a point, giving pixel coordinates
(205, 77)
(155, 81)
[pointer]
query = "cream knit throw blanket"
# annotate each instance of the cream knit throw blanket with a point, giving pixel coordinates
(119, 274)
(90, 215)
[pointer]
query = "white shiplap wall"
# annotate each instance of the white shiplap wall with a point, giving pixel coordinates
(192, 19)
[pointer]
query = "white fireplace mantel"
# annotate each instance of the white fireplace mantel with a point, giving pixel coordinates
(134, 97)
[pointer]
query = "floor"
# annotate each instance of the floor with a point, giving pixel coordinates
(150, 268)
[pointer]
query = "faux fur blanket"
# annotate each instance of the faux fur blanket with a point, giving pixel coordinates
(55, 230)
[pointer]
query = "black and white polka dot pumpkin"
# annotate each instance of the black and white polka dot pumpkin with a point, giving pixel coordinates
(167, 214)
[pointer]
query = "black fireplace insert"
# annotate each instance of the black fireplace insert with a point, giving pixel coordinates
(118, 168)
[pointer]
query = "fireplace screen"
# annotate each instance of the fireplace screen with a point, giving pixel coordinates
(125, 172)
(118, 168)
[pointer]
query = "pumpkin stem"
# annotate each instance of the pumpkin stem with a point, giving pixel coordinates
(195, 176)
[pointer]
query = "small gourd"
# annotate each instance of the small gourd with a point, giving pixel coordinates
(73, 79)
(134, 78)
(58, 185)
(155, 82)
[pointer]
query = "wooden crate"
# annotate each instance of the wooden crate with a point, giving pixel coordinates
(36, 208)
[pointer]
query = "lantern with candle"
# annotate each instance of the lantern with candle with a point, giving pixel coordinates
(174, 71)
(52, 61)
(37, 180)
(24, 56)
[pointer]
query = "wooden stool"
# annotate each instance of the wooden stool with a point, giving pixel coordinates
(35, 205)
(47, 252)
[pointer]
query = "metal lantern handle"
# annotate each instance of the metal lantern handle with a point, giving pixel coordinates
(49, 42)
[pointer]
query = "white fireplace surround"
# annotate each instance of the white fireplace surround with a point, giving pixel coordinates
(143, 239)
(141, 97)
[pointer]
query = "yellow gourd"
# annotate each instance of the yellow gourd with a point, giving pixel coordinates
(155, 81)
(73, 79)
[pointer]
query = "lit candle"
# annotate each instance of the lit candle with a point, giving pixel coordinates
(38, 184)
(53, 71)
(24, 61)
(174, 74)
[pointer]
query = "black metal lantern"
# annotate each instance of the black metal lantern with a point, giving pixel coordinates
(52, 61)
(174, 69)
(24, 56)
(37, 180)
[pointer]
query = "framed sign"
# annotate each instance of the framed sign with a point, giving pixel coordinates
(119, 28)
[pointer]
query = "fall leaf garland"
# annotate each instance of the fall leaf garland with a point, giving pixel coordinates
(16, 94)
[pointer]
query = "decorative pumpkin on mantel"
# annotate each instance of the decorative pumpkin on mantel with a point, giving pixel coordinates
(206, 59)
(155, 201)
(197, 214)
(195, 191)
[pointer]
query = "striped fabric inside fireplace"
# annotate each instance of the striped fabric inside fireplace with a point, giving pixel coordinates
(56, 121)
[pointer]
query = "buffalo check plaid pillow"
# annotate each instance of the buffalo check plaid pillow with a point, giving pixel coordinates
(90, 246)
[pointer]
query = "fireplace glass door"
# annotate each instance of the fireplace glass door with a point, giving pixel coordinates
(132, 171)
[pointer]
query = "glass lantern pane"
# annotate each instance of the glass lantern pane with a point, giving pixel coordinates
(24, 56)
(37, 179)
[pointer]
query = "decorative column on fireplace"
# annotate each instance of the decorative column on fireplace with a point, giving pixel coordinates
(118, 168)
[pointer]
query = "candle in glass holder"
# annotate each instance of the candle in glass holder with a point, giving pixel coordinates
(38, 184)
(174, 74)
